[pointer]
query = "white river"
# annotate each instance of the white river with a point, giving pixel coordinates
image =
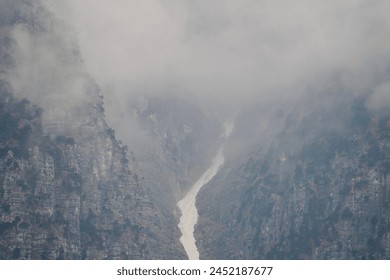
(189, 213)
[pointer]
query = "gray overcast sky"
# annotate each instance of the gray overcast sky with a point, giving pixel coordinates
(229, 51)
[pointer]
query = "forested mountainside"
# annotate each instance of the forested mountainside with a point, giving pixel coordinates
(312, 184)
(68, 188)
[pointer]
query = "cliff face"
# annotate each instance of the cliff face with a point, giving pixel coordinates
(68, 189)
(313, 185)
(303, 180)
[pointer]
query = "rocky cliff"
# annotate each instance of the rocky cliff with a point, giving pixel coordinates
(68, 188)
(312, 183)
(305, 178)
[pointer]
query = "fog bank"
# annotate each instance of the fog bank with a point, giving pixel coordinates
(224, 54)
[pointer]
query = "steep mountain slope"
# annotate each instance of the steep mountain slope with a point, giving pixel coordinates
(304, 179)
(172, 140)
(312, 183)
(68, 189)
(180, 142)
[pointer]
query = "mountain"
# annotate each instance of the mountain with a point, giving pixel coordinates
(87, 173)
(69, 189)
(312, 183)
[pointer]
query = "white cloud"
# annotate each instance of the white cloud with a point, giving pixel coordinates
(227, 52)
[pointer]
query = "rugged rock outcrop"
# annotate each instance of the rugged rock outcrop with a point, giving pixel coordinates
(313, 184)
(64, 198)
(68, 189)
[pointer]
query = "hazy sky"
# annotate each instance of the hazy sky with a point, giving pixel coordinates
(230, 51)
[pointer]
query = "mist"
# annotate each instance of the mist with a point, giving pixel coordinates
(218, 55)
(224, 54)
(302, 88)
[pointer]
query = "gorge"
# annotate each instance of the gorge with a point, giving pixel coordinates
(114, 142)
(187, 205)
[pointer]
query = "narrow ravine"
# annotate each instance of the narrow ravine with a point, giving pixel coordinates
(189, 213)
